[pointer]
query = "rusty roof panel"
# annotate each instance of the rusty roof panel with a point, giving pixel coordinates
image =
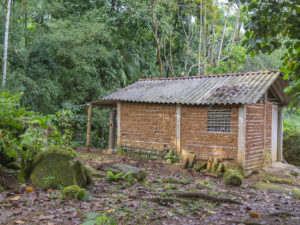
(240, 88)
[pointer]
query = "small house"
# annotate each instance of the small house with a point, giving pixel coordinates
(234, 117)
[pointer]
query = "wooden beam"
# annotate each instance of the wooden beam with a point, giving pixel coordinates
(178, 121)
(242, 136)
(119, 124)
(112, 129)
(88, 129)
(280, 134)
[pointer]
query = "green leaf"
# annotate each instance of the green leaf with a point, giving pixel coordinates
(92, 215)
(90, 222)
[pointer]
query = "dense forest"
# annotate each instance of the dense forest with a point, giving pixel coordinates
(64, 54)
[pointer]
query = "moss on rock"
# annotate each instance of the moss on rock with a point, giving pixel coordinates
(54, 168)
(74, 192)
(233, 177)
(271, 187)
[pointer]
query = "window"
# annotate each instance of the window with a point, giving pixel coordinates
(218, 120)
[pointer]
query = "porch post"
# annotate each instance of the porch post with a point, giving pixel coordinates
(119, 124)
(112, 129)
(88, 129)
(242, 136)
(178, 121)
(280, 134)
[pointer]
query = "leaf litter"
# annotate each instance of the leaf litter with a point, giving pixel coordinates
(129, 204)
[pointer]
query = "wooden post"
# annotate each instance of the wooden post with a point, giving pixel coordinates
(178, 146)
(242, 136)
(88, 129)
(119, 124)
(112, 129)
(280, 134)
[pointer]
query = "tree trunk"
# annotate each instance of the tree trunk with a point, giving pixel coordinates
(204, 40)
(236, 25)
(5, 45)
(223, 35)
(25, 23)
(200, 37)
(213, 38)
(156, 39)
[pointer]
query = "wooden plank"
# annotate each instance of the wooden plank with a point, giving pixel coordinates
(178, 115)
(280, 134)
(88, 129)
(242, 136)
(119, 124)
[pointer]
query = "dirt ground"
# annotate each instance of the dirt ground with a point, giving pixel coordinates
(131, 204)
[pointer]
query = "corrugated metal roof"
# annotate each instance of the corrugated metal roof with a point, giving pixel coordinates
(239, 88)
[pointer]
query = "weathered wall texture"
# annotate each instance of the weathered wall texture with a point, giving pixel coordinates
(148, 126)
(153, 127)
(258, 135)
(196, 139)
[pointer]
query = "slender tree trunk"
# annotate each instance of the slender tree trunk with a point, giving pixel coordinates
(212, 53)
(5, 45)
(156, 39)
(25, 23)
(223, 35)
(204, 40)
(200, 37)
(236, 24)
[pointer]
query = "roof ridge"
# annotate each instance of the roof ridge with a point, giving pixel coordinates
(209, 75)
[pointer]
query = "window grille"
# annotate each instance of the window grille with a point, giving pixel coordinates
(218, 120)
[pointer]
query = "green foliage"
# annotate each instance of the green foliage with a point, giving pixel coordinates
(117, 177)
(23, 133)
(171, 157)
(291, 146)
(96, 219)
(274, 24)
(74, 192)
(114, 177)
(291, 120)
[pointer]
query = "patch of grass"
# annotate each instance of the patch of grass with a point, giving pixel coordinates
(171, 187)
(296, 193)
(207, 185)
(173, 180)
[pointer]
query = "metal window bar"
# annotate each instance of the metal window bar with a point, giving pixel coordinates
(218, 120)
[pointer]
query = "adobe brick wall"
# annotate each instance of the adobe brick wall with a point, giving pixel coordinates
(196, 139)
(148, 126)
(258, 135)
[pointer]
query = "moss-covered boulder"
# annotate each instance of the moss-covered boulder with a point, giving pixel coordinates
(233, 177)
(54, 168)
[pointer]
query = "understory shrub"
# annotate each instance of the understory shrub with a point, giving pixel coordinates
(291, 147)
(24, 133)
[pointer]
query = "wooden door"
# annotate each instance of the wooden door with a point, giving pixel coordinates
(274, 132)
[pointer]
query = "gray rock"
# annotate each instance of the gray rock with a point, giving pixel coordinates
(138, 173)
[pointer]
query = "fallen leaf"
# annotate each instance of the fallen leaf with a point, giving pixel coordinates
(42, 217)
(29, 189)
(16, 198)
(254, 214)
(19, 222)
